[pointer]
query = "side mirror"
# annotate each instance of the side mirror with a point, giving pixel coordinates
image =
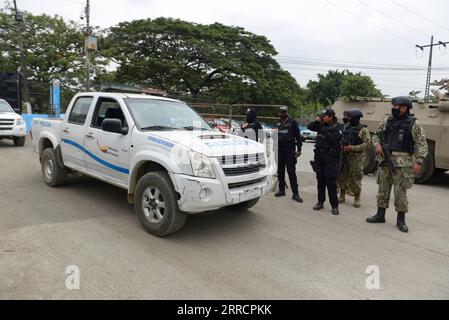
(114, 126)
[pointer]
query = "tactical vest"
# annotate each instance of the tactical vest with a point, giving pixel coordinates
(351, 135)
(286, 137)
(323, 144)
(398, 134)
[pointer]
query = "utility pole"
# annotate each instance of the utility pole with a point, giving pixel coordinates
(18, 18)
(85, 45)
(429, 69)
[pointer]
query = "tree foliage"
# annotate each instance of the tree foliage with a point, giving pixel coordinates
(51, 49)
(336, 84)
(226, 63)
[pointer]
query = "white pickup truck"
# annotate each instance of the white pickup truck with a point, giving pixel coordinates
(160, 150)
(12, 125)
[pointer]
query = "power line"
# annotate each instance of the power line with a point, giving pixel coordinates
(419, 15)
(404, 73)
(393, 18)
(365, 20)
(330, 62)
(342, 61)
(364, 67)
(429, 69)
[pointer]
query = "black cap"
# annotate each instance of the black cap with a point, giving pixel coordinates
(328, 112)
(403, 101)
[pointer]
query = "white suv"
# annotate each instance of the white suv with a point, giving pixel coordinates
(12, 125)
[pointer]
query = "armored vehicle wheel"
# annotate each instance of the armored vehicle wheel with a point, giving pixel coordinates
(428, 169)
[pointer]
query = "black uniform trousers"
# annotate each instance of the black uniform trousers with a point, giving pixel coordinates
(326, 169)
(287, 158)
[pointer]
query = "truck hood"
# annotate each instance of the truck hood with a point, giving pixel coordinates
(10, 115)
(210, 143)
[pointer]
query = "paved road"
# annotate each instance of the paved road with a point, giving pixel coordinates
(279, 250)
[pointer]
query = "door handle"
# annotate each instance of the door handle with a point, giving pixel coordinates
(90, 135)
(66, 130)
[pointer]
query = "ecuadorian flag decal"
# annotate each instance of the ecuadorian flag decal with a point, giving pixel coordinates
(94, 157)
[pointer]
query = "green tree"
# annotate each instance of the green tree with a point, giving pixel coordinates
(337, 84)
(52, 49)
(414, 94)
(328, 87)
(358, 85)
(218, 62)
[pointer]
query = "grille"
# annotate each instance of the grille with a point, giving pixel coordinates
(244, 184)
(242, 159)
(239, 171)
(238, 165)
(5, 128)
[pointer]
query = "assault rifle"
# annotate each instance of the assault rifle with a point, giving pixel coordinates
(388, 160)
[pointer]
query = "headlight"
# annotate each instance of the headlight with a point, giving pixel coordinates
(19, 122)
(201, 165)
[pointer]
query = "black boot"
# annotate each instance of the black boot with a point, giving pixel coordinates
(281, 193)
(401, 222)
(318, 206)
(379, 217)
(297, 198)
(335, 211)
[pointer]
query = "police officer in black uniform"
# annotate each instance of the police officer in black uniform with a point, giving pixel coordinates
(252, 127)
(327, 157)
(289, 149)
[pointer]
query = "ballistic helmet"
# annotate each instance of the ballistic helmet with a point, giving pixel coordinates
(403, 101)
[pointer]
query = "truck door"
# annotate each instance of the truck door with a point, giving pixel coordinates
(72, 134)
(108, 151)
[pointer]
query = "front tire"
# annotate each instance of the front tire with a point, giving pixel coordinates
(156, 205)
(19, 141)
(54, 175)
(244, 206)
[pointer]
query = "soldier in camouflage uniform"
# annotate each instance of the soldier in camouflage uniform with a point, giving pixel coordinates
(404, 137)
(356, 139)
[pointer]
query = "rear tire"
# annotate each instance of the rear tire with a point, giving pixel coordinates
(428, 169)
(244, 206)
(54, 175)
(156, 205)
(19, 141)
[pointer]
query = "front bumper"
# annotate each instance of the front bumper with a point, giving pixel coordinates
(202, 194)
(17, 131)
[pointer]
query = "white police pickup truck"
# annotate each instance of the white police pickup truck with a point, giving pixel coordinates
(12, 125)
(160, 150)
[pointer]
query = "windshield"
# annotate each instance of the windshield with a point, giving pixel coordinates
(4, 107)
(151, 114)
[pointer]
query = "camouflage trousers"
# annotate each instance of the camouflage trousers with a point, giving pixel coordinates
(402, 181)
(350, 179)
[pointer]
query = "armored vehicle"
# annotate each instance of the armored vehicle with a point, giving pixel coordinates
(434, 117)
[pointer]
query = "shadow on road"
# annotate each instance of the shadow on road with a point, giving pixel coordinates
(440, 180)
(223, 222)
(4, 143)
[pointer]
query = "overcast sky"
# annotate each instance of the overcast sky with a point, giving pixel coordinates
(310, 36)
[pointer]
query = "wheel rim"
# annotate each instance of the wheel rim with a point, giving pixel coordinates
(48, 169)
(153, 205)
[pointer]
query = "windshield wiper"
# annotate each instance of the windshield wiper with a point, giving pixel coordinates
(191, 128)
(160, 128)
